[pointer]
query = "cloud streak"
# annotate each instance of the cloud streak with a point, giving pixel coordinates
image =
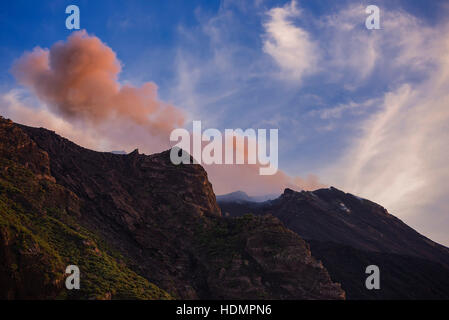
(399, 157)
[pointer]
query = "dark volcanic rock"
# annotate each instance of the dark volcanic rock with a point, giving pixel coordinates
(331, 215)
(165, 223)
(257, 257)
(40, 233)
(402, 276)
(349, 233)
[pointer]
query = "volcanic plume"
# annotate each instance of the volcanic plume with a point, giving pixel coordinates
(79, 80)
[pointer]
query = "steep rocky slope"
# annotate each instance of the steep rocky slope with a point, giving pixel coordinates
(40, 234)
(349, 233)
(129, 221)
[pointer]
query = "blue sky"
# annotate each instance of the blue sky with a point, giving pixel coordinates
(330, 88)
(152, 38)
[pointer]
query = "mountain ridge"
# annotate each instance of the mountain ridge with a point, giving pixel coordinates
(347, 233)
(160, 220)
(159, 230)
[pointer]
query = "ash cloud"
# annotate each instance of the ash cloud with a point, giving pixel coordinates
(79, 80)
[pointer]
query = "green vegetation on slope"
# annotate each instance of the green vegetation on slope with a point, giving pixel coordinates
(41, 236)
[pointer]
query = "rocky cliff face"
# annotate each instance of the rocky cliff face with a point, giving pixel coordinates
(138, 227)
(349, 233)
(40, 233)
(258, 258)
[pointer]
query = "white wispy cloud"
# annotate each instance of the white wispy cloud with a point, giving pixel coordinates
(338, 47)
(399, 158)
(288, 44)
(343, 108)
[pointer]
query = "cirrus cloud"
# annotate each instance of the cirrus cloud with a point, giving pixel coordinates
(289, 45)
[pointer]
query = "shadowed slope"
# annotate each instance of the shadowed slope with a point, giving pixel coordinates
(349, 233)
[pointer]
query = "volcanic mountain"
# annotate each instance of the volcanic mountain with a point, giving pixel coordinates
(138, 227)
(348, 233)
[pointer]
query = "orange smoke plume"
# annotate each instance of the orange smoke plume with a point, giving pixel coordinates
(79, 79)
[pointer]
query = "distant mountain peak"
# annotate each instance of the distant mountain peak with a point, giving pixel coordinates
(240, 193)
(241, 196)
(236, 196)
